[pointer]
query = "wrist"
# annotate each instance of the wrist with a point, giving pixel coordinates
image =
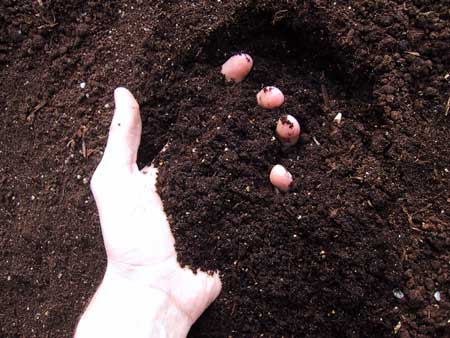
(125, 307)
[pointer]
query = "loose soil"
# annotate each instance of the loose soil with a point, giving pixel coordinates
(360, 246)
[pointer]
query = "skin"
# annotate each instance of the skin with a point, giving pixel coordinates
(237, 67)
(270, 98)
(145, 292)
(281, 178)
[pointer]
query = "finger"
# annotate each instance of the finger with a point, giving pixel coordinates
(214, 286)
(211, 286)
(193, 284)
(125, 131)
(150, 176)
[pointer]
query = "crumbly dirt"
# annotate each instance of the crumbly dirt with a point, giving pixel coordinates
(359, 247)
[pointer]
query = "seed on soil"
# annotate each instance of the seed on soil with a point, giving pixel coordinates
(270, 97)
(398, 294)
(397, 327)
(237, 67)
(83, 85)
(338, 118)
(437, 296)
(281, 178)
(288, 130)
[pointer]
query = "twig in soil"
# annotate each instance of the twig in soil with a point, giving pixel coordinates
(447, 109)
(233, 309)
(278, 16)
(410, 220)
(413, 53)
(315, 141)
(32, 115)
(42, 13)
(408, 215)
(236, 205)
(49, 25)
(80, 134)
(83, 143)
(404, 256)
(198, 52)
(326, 98)
(63, 190)
(424, 208)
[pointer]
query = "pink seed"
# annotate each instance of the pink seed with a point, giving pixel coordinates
(281, 178)
(270, 97)
(237, 67)
(288, 130)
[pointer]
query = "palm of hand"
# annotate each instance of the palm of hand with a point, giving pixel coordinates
(138, 240)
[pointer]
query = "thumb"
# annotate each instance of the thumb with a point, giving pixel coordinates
(125, 131)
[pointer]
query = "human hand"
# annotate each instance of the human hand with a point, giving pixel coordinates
(142, 263)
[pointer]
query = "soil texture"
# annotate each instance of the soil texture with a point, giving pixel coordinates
(360, 247)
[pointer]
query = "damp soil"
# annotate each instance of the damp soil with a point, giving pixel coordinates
(358, 248)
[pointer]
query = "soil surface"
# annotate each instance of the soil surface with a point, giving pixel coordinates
(361, 245)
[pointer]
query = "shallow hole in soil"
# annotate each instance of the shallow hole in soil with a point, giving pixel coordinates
(290, 41)
(293, 55)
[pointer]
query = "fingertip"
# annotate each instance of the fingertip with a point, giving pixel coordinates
(125, 131)
(124, 100)
(119, 90)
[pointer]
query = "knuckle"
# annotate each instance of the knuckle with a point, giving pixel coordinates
(94, 182)
(97, 180)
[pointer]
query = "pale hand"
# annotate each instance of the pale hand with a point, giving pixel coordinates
(142, 273)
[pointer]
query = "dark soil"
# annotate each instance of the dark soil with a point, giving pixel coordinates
(367, 221)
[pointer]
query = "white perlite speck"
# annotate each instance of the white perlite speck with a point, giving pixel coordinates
(437, 296)
(338, 118)
(398, 294)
